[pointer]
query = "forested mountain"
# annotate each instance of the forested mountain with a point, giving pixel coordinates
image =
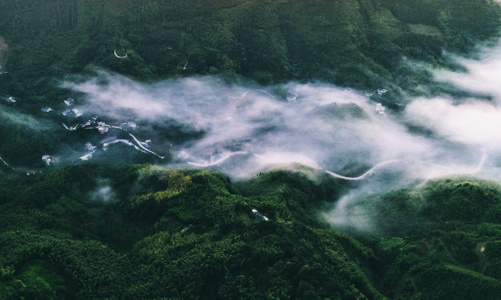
(357, 43)
(195, 235)
(127, 225)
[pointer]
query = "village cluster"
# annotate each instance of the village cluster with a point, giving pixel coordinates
(72, 114)
(93, 123)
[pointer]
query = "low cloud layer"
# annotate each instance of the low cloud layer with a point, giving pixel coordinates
(482, 76)
(242, 130)
(245, 130)
(467, 130)
(474, 123)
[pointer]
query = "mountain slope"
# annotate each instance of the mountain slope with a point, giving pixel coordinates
(195, 234)
(347, 42)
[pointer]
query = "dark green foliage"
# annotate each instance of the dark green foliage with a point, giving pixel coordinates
(45, 190)
(289, 196)
(457, 20)
(355, 43)
(441, 202)
(189, 234)
(37, 279)
(183, 235)
(431, 266)
(20, 130)
(464, 200)
(111, 230)
(446, 228)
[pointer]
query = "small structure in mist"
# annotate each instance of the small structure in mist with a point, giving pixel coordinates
(87, 156)
(102, 127)
(72, 128)
(380, 109)
(259, 217)
(89, 146)
(10, 99)
(72, 113)
(69, 101)
(46, 109)
(47, 159)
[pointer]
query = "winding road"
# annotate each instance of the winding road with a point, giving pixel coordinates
(477, 169)
(369, 172)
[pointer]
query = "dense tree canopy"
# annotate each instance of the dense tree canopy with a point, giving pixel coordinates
(125, 228)
(192, 234)
(349, 42)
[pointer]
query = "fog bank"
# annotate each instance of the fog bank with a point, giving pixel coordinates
(241, 130)
(245, 130)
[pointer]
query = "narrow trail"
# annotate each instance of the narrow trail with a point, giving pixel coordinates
(369, 172)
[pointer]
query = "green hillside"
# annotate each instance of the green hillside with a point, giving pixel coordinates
(356, 43)
(194, 234)
(120, 227)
